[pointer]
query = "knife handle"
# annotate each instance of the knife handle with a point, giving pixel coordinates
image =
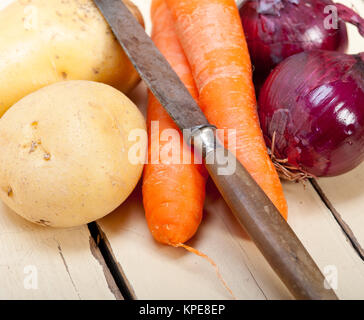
(262, 221)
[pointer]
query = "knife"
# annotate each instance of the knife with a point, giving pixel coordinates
(248, 202)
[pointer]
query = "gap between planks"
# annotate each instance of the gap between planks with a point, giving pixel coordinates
(343, 225)
(112, 269)
(100, 257)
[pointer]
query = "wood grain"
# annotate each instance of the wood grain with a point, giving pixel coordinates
(315, 225)
(175, 274)
(344, 195)
(65, 262)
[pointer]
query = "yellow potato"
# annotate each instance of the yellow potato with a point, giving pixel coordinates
(46, 41)
(64, 153)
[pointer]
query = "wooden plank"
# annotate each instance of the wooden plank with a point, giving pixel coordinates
(159, 272)
(4, 3)
(318, 230)
(356, 41)
(344, 195)
(43, 263)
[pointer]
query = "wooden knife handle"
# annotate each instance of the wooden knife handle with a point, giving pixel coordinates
(265, 225)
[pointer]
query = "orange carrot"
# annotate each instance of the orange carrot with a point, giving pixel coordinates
(173, 194)
(211, 34)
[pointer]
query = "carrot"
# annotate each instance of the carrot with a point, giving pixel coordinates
(211, 34)
(173, 194)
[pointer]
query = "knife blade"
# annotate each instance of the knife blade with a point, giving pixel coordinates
(150, 64)
(248, 202)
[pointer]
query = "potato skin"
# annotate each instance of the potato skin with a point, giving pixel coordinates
(64, 153)
(46, 41)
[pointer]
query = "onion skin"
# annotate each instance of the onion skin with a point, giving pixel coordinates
(290, 27)
(314, 104)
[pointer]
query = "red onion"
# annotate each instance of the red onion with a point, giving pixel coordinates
(277, 29)
(311, 110)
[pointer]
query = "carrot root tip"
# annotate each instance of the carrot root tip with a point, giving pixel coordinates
(212, 262)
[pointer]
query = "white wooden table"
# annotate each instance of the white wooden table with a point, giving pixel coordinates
(43, 263)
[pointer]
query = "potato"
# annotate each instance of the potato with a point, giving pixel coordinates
(46, 41)
(64, 153)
